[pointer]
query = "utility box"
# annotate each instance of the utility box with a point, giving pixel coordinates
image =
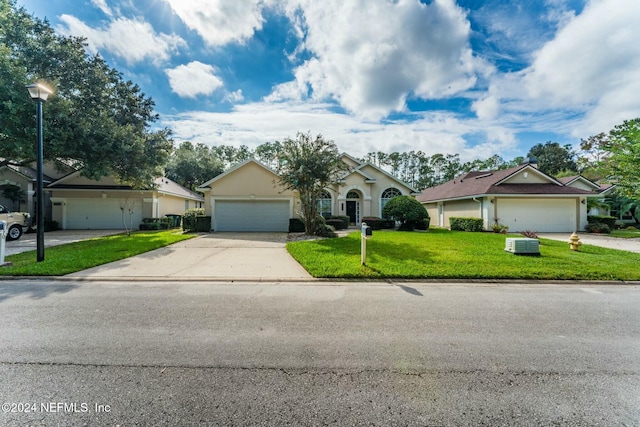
(522, 246)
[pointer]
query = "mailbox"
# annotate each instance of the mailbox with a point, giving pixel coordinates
(2, 224)
(366, 230)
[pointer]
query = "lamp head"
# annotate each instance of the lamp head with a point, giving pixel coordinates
(39, 92)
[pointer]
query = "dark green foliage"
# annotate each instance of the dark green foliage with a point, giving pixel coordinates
(337, 223)
(466, 224)
(189, 219)
(407, 210)
(308, 165)
(596, 227)
(51, 225)
(610, 221)
(296, 225)
(192, 166)
(378, 223)
(94, 118)
(156, 224)
(553, 158)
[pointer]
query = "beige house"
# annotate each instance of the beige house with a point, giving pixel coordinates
(248, 197)
(522, 198)
(82, 203)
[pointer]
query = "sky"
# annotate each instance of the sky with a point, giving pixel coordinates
(468, 77)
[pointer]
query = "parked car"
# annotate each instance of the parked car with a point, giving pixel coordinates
(17, 222)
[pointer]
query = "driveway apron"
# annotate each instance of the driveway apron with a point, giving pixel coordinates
(215, 256)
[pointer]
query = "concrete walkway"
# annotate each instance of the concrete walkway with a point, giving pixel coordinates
(631, 245)
(215, 256)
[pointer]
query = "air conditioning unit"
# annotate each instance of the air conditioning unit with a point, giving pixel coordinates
(523, 246)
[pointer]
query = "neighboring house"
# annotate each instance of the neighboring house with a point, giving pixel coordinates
(82, 203)
(248, 197)
(22, 181)
(522, 198)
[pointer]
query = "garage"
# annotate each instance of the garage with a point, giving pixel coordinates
(101, 214)
(543, 215)
(251, 215)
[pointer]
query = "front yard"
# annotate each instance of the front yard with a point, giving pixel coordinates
(444, 254)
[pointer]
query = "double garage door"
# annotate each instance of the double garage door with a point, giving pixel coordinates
(101, 214)
(251, 215)
(543, 215)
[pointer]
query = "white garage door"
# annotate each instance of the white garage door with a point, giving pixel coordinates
(257, 215)
(101, 214)
(543, 215)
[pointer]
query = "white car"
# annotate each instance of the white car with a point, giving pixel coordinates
(16, 222)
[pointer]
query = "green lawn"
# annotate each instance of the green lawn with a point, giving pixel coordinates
(72, 257)
(626, 234)
(443, 254)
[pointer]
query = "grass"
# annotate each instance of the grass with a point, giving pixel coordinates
(443, 254)
(625, 234)
(72, 257)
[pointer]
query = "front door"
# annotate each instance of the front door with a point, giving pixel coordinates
(352, 211)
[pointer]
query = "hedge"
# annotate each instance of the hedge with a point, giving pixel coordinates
(378, 223)
(610, 221)
(466, 224)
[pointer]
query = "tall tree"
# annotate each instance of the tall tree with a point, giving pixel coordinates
(94, 118)
(553, 158)
(622, 164)
(191, 166)
(308, 165)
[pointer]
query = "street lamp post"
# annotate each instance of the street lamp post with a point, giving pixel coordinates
(39, 93)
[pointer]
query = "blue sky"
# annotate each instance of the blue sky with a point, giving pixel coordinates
(472, 77)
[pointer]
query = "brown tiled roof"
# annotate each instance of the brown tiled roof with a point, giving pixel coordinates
(489, 182)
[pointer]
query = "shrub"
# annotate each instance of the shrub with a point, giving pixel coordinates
(336, 223)
(50, 225)
(466, 224)
(405, 209)
(530, 234)
(610, 221)
(296, 225)
(631, 228)
(325, 230)
(340, 222)
(596, 227)
(378, 223)
(189, 220)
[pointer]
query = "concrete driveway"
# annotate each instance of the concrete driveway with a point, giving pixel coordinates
(631, 245)
(215, 256)
(53, 238)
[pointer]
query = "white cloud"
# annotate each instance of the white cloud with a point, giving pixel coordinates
(193, 79)
(130, 39)
(220, 22)
(253, 124)
(592, 65)
(372, 56)
(102, 5)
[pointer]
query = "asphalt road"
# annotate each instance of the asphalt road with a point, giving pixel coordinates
(100, 353)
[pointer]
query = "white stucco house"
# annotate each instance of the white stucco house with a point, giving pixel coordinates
(521, 197)
(248, 197)
(78, 202)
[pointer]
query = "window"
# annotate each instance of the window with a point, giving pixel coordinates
(353, 195)
(387, 195)
(324, 203)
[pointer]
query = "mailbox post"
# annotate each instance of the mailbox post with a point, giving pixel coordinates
(3, 240)
(365, 234)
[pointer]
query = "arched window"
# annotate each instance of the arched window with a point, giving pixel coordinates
(353, 195)
(387, 195)
(324, 203)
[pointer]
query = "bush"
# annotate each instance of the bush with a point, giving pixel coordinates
(51, 225)
(596, 227)
(407, 210)
(378, 223)
(325, 230)
(189, 220)
(340, 222)
(466, 224)
(530, 234)
(155, 224)
(610, 221)
(296, 225)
